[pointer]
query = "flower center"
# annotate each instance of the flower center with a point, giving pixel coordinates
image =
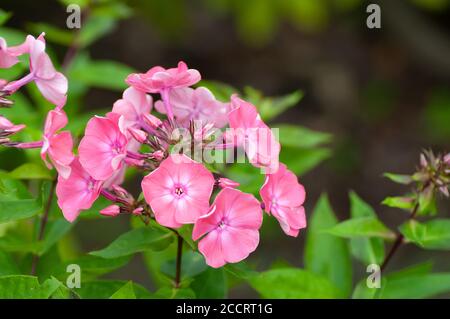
(179, 191)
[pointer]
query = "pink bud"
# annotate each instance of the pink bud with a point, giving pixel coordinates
(447, 159)
(134, 162)
(151, 120)
(111, 211)
(120, 191)
(138, 211)
(225, 182)
(137, 134)
(158, 155)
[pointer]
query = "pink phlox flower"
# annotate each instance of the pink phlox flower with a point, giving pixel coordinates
(283, 197)
(158, 78)
(230, 229)
(58, 146)
(8, 55)
(8, 128)
(52, 84)
(132, 106)
(253, 135)
(104, 146)
(178, 191)
(78, 192)
(196, 104)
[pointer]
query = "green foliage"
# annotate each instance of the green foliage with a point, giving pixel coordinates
(361, 227)
(325, 254)
(293, 283)
(26, 287)
(434, 234)
(125, 292)
(367, 250)
(136, 240)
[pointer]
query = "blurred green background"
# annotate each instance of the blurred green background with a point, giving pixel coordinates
(383, 95)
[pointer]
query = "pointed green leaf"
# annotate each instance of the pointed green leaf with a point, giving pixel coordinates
(293, 283)
(31, 171)
(367, 250)
(125, 292)
(325, 254)
(301, 137)
(361, 227)
(136, 240)
(405, 203)
(18, 209)
(398, 178)
(434, 234)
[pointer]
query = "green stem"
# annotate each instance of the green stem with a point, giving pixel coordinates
(178, 262)
(44, 219)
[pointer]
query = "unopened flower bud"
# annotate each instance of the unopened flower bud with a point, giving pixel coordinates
(111, 211)
(151, 120)
(138, 211)
(137, 134)
(157, 155)
(225, 182)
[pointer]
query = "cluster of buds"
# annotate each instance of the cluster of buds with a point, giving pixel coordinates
(434, 173)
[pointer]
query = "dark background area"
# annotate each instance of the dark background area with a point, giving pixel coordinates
(383, 93)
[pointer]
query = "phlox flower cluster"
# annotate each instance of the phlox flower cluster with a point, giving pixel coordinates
(140, 133)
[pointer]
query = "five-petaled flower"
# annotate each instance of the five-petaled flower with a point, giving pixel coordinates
(78, 192)
(103, 147)
(178, 191)
(283, 197)
(231, 228)
(58, 146)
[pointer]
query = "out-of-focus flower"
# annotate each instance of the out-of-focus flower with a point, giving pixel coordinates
(103, 147)
(196, 104)
(231, 228)
(178, 191)
(132, 106)
(253, 135)
(158, 78)
(58, 146)
(283, 197)
(8, 56)
(78, 192)
(8, 128)
(52, 84)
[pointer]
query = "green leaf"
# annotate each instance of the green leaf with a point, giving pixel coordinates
(102, 74)
(434, 234)
(362, 291)
(400, 179)
(367, 250)
(94, 28)
(361, 227)
(417, 286)
(293, 283)
(4, 16)
(18, 209)
(302, 160)
(174, 293)
(270, 107)
(26, 287)
(210, 284)
(125, 292)
(240, 270)
(31, 171)
(301, 137)
(136, 240)
(103, 289)
(55, 230)
(327, 255)
(7, 265)
(405, 203)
